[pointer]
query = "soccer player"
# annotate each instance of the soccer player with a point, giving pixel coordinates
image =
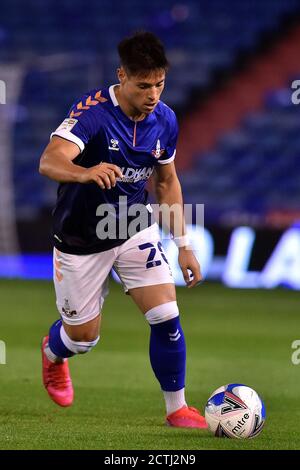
(104, 152)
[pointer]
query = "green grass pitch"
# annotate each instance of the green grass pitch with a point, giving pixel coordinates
(232, 336)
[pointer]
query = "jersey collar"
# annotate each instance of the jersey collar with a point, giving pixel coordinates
(113, 95)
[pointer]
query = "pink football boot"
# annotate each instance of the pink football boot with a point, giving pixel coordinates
(56, 379)
(186, 417)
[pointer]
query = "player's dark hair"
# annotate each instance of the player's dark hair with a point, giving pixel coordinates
(141, 53)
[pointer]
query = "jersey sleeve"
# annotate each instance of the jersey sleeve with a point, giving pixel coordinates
(82, 122)
(170, 150)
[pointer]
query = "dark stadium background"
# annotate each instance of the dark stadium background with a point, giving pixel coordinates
(233, 84)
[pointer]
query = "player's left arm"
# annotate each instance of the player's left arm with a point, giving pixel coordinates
(168, 191)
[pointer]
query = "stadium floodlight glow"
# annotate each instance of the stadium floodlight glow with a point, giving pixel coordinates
(236, 272)
(283, 267)
(2, 92)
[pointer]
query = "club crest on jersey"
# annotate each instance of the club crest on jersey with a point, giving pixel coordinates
(158, 151)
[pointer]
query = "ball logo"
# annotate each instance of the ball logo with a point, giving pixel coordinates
(240, 424)
(233, 403)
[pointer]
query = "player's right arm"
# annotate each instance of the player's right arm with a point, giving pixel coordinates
(57, 163)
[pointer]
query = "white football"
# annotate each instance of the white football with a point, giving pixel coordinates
(235, 411)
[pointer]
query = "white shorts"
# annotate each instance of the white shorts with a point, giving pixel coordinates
(81, 281)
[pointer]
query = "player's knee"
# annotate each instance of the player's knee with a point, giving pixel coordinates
(86, 343)
(162, 313)
(86, 332)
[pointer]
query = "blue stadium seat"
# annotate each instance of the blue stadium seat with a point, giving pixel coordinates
(256, 167)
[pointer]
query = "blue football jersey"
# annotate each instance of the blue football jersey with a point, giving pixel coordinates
(104, 133)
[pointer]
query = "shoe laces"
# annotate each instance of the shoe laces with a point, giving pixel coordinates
(58, 375)
(194, 410)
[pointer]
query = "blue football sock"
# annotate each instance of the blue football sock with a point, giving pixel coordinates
(168, 354)
(56, 344)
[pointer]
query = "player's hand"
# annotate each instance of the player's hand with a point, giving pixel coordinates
(104, 175)
(188, 262)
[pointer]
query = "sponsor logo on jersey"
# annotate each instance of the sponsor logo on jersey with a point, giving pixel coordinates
(132, 175)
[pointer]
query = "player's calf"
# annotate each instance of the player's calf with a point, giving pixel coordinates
(168, 359)
(167, 346)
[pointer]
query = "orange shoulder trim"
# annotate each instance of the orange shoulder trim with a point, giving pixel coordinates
(88, 103)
